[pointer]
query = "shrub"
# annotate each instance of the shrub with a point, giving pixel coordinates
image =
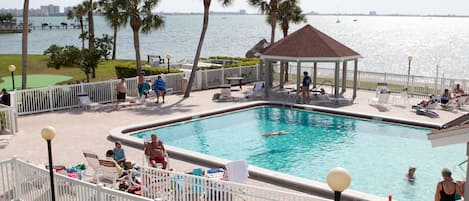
(130, 70)
(239, 62)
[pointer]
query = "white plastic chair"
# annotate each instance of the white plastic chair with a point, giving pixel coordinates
(93, 162)
(236, 171)
(86, 102)
(109, 172)
(382, 99)
(402, 98)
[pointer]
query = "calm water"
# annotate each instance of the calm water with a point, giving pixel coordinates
(376, 154)
(384, 42)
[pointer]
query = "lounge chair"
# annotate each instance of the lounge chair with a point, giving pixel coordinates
(237, 171)
(109, 173)
(257, 90)
(425, 111)
(401, 100)
(86, 102)
(460, 101)
(382, 99)
(93, 162)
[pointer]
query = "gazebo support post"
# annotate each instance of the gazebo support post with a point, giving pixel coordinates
(282, 74)
(298, 78)
(266, 79)
(344, 77)
(261, 70)
(315, 75)
(336, 79)
(466, 186)
(355, 79)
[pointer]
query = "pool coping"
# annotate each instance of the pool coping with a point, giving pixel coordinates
(276, 178)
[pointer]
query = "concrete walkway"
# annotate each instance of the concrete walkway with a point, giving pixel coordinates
(78, 129)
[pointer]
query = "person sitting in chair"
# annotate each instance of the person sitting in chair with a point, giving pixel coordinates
(156, 152)
(457, 91)
(445, 97)
(426, 103)
(159, 88)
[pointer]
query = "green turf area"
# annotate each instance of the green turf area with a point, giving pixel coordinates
(37, 64)
(34, 81)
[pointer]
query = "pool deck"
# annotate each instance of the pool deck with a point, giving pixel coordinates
(78, 130)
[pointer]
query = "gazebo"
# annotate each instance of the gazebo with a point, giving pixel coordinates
(308, 45)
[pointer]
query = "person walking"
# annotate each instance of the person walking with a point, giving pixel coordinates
(446, 189)
(121, 89)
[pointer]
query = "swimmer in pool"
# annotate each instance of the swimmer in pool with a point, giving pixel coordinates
(410, 176)
(273, 134)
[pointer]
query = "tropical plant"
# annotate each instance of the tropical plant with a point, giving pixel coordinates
(115, 19)
(289, 12)
(7, 19)
(201, 42)
(78, 12)
(104, 45)
(139, 13)
(24, 45)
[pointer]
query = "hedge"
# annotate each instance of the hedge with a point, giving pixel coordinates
(129, 70)
(242, 62)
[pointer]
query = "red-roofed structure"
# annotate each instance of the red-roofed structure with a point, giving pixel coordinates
(311, 45)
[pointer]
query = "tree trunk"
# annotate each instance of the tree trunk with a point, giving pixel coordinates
(91, 35)
(114, 47)
(199, 49)
(273, 14)
(82, 33)
(87, 77)
(137, 51)
(24, 44)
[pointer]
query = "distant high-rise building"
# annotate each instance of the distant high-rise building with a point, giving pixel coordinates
(50, 10)
(372, 13)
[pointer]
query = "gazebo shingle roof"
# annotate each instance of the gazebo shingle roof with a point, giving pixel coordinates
(308, 42)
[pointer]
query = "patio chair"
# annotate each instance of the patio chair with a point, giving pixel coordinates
(401, 100)
(109, 173)
(382, 99)
(86, 102)
(93, 162)
(258, 89)
(460, 101)
(237, 171)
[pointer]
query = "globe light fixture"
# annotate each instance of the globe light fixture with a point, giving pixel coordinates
(48, 134)
(12, 69)
(168, 56)
(338, 180)
(409, 58)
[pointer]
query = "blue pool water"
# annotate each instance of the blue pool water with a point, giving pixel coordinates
(376, 154)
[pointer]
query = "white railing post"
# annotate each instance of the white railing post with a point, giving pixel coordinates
(412, 85)
(240, 71)
(82, 87)
(16, 175)
(112, 90)
(257, 72)
(50, 99)
(12, 115)
(206, 78)
(222, 76)
(99, 191)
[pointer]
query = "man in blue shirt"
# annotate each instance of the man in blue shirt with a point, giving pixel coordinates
(159, 88)
(305, 87)
(119, 154)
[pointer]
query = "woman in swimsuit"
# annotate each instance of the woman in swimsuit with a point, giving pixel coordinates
(446, 189)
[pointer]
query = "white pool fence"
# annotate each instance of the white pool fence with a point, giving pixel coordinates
(24, 181)
(53, 98)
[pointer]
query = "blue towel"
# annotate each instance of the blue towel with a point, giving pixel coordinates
(215, 170)
(159, 85)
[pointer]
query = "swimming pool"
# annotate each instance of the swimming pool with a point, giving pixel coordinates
(376, 154)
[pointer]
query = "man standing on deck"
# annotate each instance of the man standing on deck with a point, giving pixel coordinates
(305, 87)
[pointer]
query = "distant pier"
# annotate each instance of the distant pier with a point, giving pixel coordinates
(63, 26)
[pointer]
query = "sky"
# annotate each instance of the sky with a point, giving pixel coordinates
(441, 7)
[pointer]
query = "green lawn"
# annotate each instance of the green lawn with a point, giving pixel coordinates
(34, 81)
(37, 64)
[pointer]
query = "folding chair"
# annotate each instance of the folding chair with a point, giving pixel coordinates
(86, 102)
(93, 162)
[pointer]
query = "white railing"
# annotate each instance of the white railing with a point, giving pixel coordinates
(23, 181)
(169, 185)
(52, 98)
(7, 119)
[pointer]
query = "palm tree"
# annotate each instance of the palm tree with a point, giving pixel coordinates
(141, 19)
(270, 8)
(24, 44)
(201, 42)
(89, 9)
(289, 12)
(78, 12)
(114, 18)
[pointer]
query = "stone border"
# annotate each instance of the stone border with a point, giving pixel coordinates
(262, 174)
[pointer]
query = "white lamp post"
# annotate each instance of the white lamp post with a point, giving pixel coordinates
(48, 133)
(168, 56)
(338, 180)
(409, 58)
(12, 69)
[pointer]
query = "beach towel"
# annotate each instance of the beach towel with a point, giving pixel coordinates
(159, 85)
(144, 89)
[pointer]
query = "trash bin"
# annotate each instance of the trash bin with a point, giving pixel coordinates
(183, 85)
